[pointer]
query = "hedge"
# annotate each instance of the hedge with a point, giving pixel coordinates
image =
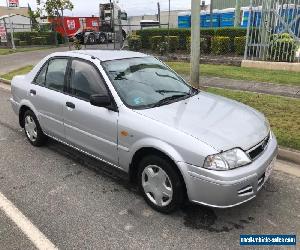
(183, 34)
(134, 43)
(155, 41)
(23, 43)
(49, 37)
(173, 42)
(239, 45)
(221, 45)
(205, 45)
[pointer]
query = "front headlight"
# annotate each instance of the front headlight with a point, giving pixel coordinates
(227, 160)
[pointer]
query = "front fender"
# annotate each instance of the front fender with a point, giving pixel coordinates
(126, 155)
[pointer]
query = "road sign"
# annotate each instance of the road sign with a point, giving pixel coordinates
(3, 36)
(13, 3)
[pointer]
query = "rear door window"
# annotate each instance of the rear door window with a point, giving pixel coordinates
(55, 77)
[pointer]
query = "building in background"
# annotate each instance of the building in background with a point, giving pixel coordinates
(224, 4)
(20, 11)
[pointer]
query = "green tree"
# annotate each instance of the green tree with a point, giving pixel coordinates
(33, 16)
(55, 9)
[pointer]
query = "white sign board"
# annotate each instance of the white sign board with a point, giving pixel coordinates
(3, 35)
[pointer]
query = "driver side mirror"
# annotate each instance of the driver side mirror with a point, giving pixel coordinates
(101, 100)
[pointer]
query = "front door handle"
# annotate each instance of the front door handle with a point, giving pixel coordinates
(32, 92)
(70, 105)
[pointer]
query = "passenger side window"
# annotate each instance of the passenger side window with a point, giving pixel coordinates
(55, 77)
(41, 77)
(85, 80)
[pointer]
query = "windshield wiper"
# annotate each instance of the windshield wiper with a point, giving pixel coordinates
(161, 91)
(169, 99)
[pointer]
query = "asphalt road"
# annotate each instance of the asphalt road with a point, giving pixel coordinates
(22, 59)
(78, 203)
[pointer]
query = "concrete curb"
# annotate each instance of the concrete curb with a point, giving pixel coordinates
(284, 154)
(289, 155)
(5, 81)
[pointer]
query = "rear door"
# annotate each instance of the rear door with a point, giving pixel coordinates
(47, 94)
(92, 129)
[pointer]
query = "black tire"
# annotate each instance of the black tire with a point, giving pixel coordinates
(176, 182)
(91, 39)
(41, 138)
(102, 38)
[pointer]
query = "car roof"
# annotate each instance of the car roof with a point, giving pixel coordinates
(103, 55)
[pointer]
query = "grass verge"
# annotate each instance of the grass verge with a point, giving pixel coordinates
(238, 73)
(10, 51)
(20, 71)
(282, 112)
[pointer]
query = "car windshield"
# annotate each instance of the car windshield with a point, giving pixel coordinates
(146, 82)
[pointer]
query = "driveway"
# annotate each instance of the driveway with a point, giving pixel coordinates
(79, 203)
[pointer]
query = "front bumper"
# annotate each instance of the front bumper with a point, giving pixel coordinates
(228, 188)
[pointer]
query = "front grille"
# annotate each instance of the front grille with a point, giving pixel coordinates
(259, 148)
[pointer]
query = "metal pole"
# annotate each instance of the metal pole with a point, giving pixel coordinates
(11, 29)
(195, 43)
(248, 40)
(211, 13)
(237, 14)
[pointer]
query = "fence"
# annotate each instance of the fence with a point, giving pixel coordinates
(274, 31)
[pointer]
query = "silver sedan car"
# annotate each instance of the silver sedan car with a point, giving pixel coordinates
(134, 113)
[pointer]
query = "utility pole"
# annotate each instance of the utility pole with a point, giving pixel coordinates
(237, 14)
(158, 13)
(211, 8)
(11, 29)
(195, 43)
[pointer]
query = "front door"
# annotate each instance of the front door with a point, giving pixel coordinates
(92, 129)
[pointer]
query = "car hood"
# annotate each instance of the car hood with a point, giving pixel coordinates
(220, 122)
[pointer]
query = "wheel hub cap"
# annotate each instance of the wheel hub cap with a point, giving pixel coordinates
(30, 128)
(157, 185)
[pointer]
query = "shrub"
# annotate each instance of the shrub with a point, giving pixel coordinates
(17, 41)
(134, 42)
(205, 45)
(220, 45)
(232, 33)
(282, 48)
(23, 43)
(173, 42)
(155, 41)
(38, 40)
(239, 45)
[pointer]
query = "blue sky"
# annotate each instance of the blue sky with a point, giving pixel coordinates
(133, 7)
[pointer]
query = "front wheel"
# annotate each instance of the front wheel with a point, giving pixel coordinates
(160, 183)
(33, 129)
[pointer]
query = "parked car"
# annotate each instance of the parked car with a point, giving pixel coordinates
(134, 113)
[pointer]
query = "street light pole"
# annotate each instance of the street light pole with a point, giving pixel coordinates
(237, 14)
(195, 43)
(11, 29)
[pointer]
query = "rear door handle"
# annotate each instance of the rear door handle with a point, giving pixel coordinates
(70, 105)
(32, 92)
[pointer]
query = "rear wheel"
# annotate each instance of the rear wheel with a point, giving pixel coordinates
(160, 183)
(33, 129)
